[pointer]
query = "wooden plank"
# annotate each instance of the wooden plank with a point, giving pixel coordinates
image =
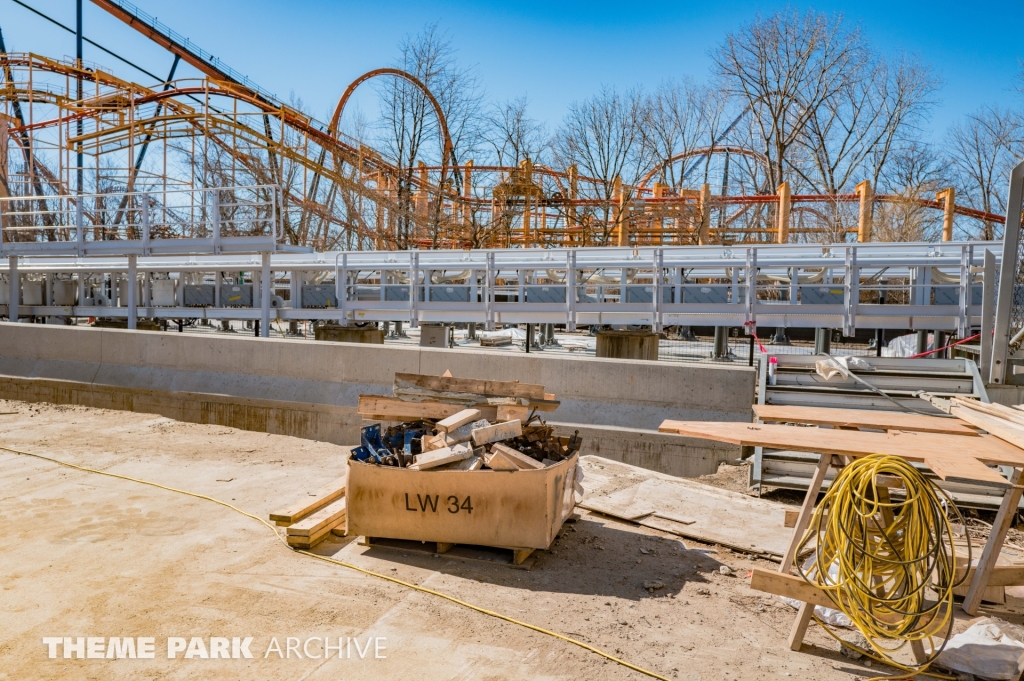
(303, 507)
(994, 545)
(992, 409)
(861, 418)
(517, 457)
(303, 542)
(497, 432)
(462, 418)
(470, 385)
(383, 408)
(799, 630)
(1008, 431)
(791, 517)
(790, 586)
(544, 405)
(473, 463)
(326, 517)
(509, 412)
(691, 509)
(440, 457)
(951, 457)
(497, 461)
(803, 520)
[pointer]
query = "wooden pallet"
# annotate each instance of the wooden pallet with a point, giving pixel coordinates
(518, 559)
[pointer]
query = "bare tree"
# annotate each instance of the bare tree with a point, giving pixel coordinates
(852, 135)
(409, 128)
(783, 68)
(603, 137)
(913, 173)
(513, 135)
(982, 150)
(682, 118)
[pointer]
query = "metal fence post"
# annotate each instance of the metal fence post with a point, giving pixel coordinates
(265, 291)
(341, 288)
(80, 224)
(14, 288)
(145, 224)
(133, 287)
(1008, 273)
(215, 220)
(571, 292)
(414, 286)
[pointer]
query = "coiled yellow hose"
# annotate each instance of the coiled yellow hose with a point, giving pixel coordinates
(876, 558)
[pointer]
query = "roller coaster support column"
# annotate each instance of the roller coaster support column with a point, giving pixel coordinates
(619, 213)
(948, 196)
(785, 204)
(705, 215)
(867, 204)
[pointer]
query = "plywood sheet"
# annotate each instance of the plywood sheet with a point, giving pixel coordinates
(701, 512)
(951, 457)
(862, 418)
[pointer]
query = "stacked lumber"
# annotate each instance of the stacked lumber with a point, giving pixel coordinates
(953, 449)
(467, 424)
(312, 518)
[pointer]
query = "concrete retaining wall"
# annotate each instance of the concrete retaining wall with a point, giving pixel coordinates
(310, 389)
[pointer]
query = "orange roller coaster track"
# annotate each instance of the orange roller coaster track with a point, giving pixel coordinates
(341, 193)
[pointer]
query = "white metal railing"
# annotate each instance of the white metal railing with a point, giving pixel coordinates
(200, 220)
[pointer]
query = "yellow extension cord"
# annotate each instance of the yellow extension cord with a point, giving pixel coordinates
(421, 589)
(880, 571)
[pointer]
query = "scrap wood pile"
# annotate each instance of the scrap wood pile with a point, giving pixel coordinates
(920, 534)
(447, 423)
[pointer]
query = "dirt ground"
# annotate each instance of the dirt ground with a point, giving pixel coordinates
(92, 556)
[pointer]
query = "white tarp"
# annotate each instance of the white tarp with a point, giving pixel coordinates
(990, 649)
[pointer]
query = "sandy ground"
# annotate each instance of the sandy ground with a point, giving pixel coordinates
(88, 555)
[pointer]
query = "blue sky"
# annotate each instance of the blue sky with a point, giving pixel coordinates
(552, 52)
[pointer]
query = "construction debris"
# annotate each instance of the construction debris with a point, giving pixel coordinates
(455, 426)
(439, 413)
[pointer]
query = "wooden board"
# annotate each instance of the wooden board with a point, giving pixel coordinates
(469, 385)
(327, 517)
(1008, 431)
(790, 586)
(516, 457)
(997, 410)
(795, 586)
(951, 457)
(497, 461)
(381, 408)
(861, 418)
(307, 542)
(508, 412)
(440, 457)
(462, 418)
(317, 500)
(498, 432)
(691, 509)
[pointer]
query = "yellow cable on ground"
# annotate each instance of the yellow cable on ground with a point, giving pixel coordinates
(350, 566)
(875, 558)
